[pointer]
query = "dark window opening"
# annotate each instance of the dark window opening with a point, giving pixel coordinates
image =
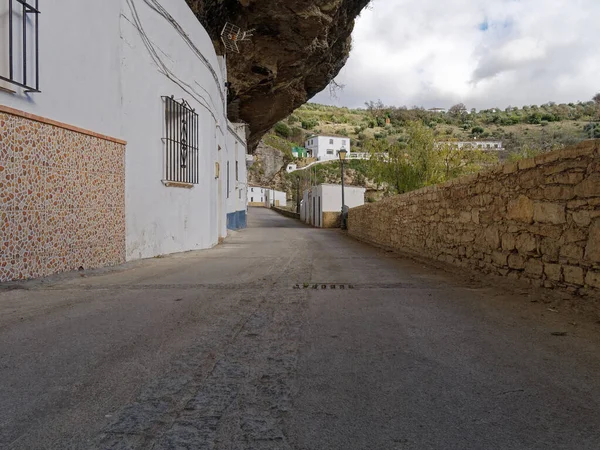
(237, 171)
(23, 45)
(181, 142)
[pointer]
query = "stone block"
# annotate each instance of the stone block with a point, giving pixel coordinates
(553, 271)
(567, 178)
(558, 193)
(582, 218)
(509, 168)
(549, 248)
(516, 261)
(546, 158)
(592, 250)
(534, 268)
(500, 258)
(590, 187)
(528, 163)
(593, 279)
(572, 252)
(545, 212)
(475, 216)
(525, 243)
(492, 237)
(508, 242)
(521, 210)
(573, 275)
(575, 234)
(464, 217)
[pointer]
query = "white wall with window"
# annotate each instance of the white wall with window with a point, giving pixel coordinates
(275, 198)
(326, 147)
(113, 67)
(256, 194)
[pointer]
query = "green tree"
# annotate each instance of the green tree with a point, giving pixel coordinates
(406, 167)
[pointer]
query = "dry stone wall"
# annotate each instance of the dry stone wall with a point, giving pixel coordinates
(538, 219)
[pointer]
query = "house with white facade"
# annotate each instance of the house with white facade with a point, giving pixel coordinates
(321, 205)
(266, 197)
(117, 129)
(326, 147)
(257, 196)
(275, 198)
(487, 145)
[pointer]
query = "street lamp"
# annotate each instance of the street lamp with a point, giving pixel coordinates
(342, 154)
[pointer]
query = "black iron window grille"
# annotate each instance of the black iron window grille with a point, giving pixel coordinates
(23, 45)
(181, 142)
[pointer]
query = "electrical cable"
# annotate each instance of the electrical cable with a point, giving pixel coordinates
(162, 66)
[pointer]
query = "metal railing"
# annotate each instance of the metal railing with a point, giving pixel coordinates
(181, 142)
(28, 9)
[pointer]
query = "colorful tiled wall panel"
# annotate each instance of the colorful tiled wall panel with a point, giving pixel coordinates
(62, 199)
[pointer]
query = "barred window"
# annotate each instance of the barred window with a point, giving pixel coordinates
(20, 43)
(181, 142)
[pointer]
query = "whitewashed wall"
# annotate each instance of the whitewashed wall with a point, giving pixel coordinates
(162, 220)
(104, 66)
(80, 59)
(332, 197)
(319, 145)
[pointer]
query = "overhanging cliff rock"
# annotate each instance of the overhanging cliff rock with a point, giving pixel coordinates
(298, 47)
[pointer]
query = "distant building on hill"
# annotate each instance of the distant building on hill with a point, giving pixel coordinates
(299, 152)
(438, 110)
(326, 147)
(476, 145)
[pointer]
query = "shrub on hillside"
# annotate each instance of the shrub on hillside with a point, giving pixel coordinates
(309, 124)
(282, 130)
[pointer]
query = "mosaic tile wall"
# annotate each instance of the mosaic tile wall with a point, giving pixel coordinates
(62, 200)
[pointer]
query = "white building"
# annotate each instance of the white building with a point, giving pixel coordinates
(322, 205)
(326, 147)
(257, 196)
(266, 197)
(275, 198)
(122, 135)
(487, 145)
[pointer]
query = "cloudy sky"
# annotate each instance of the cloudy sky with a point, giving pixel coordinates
(484, 53)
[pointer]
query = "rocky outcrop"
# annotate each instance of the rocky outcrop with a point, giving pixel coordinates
(269, 168)
(298, 47)
(537, 220)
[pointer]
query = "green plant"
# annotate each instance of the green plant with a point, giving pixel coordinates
(282, 130)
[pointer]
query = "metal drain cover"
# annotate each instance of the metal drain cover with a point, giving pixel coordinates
(323, 286)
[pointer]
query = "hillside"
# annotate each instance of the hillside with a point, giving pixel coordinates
(523, 131)
(543, 127)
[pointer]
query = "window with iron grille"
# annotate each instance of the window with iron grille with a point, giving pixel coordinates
(21, 20)
(181, 142)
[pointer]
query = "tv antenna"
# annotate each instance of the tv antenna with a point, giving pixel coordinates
(233, 34)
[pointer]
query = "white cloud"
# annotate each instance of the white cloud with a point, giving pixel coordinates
(484, 53)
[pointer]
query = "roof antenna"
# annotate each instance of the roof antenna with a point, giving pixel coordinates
(233, 34)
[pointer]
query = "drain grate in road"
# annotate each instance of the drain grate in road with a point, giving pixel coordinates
(324, 286)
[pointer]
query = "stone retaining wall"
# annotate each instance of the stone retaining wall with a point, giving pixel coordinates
(286, 212)
(538, 219)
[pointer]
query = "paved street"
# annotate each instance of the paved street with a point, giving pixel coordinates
(249, 346)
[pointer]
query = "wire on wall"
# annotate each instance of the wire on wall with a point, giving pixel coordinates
(162, 67)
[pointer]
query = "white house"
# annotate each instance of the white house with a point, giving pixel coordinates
(487, 145)
(266, 197)
(257, 196)
(326, 147)
(322, 205)
(121, 138)
(275, 198)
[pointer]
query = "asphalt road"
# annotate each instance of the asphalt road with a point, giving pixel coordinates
(288, 337)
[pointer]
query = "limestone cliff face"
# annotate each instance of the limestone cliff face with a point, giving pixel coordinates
(298, 47)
